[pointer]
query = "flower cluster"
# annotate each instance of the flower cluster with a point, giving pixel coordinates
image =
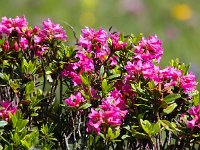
(18, 36)
(6, 108)
(50, 32)
(112, 113)
(149, 49)
(194, 111)
(112, 85)
(94, 49)
(143, 65)
(74, 100)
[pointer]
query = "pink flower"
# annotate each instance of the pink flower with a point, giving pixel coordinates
(91, 37)
(114, 108)
(94, 93)
(116, 43)
(8, 25)
(95, 42)
(112, 113)
(23, 43)
(149, 49)
(76, 78)
(148, 69)
(69, 72)
(188, 82)
(195, 113)
(113, 117)
(170, 76)
(85, 63)
(95, 121)
(6, 46)
(50, 32)
(6, 109)
(74, 100)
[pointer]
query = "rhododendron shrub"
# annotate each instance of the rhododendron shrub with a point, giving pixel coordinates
(106, 91)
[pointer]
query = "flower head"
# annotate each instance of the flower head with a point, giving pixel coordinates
(6, 109)
(195, 113)
(149, 49)
(188, 82)
(116, 43)
(95, 42)
(74, 100)
(50, 32)
(95, 121)
(9, 25)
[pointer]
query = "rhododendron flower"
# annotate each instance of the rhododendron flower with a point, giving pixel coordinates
(170, 76)
(95, 121)
(8, 25)
(195, 113)
(94, 93)
(95, 42)
(90, 37)
(113, 117)
(74, 100)
(6, 108)
(149, 49)
(116, 43)
(76, 78)
(50, 32)
(147, 69)
(70, 72)
(188, 82)
(85, 63)
(5, 46)
(23, 43)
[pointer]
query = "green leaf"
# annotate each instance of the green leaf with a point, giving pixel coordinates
(101, 71)
(34, 114)
(150, 128)
(3, 123)
(1, 75)
(151, 84)
(30, 87)
(170, 108)
(125, 137)
(49, 78)
(102, 135)
(171, 97)
(167, 125)
(104, 86)
(85, 79)
(195, 97)
(112, 135)
(84, 106)
(113, 76)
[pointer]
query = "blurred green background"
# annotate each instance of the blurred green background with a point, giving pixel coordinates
(177, 23)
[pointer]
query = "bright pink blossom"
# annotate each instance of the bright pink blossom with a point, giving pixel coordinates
(23, 43)
(50, 32)
(6, 46)
(188, 82)
(116, 43)
(6, 109)
(8, 25)
(195, 113)
(95, 42)
(74, 100)
(170, 76)
(84, 64)
(147, 69)
(95, 121)
(149, 49)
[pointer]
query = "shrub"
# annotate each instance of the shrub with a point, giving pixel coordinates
(106, 91)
